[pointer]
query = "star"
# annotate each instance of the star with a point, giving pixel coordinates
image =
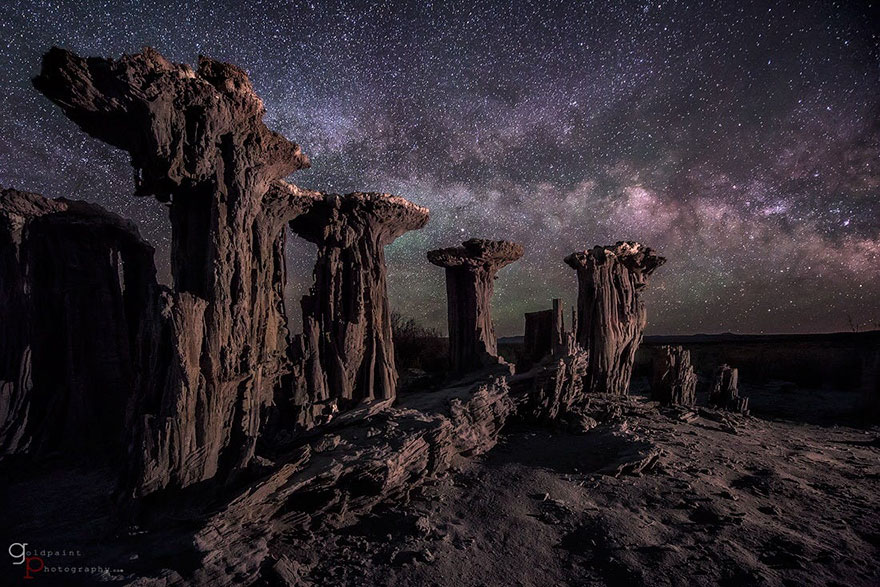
(739, 141)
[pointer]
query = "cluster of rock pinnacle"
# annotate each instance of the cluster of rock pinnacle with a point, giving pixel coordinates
(184, 383)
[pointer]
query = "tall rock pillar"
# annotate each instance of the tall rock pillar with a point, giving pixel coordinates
(610, 315)
(348, 354)
(470, 282)
(197, 141)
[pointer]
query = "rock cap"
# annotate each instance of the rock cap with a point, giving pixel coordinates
(636, 257)
(478, 252)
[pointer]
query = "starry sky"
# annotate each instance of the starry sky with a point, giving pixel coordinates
(740, 139)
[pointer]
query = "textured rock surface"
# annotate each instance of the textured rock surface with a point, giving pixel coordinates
(610, 316)
(74, 281)
(673, 381)
(725, 391)
(346, 354)
(556, 390)
(378, 459)
(196, 139)
(470, 282)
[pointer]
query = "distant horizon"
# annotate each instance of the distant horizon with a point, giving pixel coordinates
(708, 334)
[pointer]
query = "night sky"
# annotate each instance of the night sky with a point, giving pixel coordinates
(740, 139)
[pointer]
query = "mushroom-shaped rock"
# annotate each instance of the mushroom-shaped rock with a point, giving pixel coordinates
(611, 316)
(673, 381)
(347, 355)
(470, 282)
(197, 139)
(75, 285)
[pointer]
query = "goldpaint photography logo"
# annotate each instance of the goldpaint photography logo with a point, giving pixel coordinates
(38, 562)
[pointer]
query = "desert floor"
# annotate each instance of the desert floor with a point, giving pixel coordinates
(787, 496)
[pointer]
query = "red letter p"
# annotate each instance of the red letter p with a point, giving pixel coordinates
(29, 569)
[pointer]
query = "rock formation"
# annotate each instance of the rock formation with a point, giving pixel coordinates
(470, 281)
(610, 315)
(75, 281)
(346, 471)
(544, 333)
(212, 361)
(197, 140)
(673, 382)
(557, 390)
(725, 394)
(346, 351)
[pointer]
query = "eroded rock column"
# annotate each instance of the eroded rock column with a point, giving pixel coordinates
(470, 282)
(197, 140)
(346, 351)
(610, 315)
(74, 280)
(725, 391)
(673, 381)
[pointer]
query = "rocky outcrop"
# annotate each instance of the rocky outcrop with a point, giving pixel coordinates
(610, 313)
(725, 392)
(347, 471)
(197, 140)
(556, 392)
(75, 281)
(673, 381)
(346, 355)
(470, 282)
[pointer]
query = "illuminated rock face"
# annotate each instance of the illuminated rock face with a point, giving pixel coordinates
(673, 381)
(211, 360)
(346, 353)
(610, 314)
(197, 140)
(75, 285)
(470, 282)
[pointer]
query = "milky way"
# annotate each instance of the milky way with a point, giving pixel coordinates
(742, 140)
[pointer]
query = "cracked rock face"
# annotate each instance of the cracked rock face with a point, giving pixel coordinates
(610, 316)
(470, 282)
(197, 140)
(74, 281)
(346, 354)
(673, 381)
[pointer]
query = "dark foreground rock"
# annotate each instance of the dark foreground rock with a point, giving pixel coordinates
(75, 288)
(197, 140)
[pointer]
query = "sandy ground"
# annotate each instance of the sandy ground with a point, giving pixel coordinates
(721, 501)
(649, 497)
